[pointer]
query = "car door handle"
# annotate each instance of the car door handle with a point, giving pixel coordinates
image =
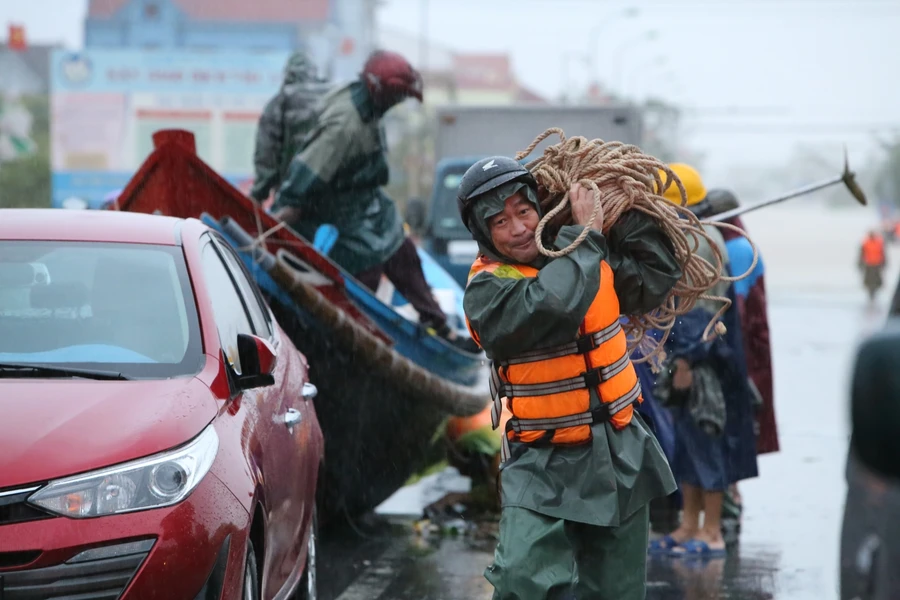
(292, 417)
(309, 391)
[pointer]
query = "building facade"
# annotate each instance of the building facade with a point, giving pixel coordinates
(338, 33)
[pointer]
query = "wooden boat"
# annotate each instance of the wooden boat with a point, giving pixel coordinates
(385, 384)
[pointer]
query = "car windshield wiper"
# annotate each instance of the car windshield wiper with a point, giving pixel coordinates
(10, 370)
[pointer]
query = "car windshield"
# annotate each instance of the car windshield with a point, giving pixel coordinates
(446, 222)
(124, 308)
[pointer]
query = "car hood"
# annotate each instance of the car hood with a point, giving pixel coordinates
(54, 428)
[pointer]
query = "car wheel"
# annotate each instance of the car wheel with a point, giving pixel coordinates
(251, 575)
(308, 589)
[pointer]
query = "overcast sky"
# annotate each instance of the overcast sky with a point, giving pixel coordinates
(824, 72)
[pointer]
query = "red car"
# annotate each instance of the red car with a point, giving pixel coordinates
(158, 437)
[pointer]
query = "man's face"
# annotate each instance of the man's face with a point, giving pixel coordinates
(512, 231)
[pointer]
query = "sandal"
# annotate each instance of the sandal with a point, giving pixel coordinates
(663, 545)
(699, 548)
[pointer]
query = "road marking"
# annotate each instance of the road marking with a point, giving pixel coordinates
(377, 577)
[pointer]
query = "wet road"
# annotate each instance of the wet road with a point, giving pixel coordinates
(792, 511)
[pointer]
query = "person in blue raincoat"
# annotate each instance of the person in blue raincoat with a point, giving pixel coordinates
(664, 511)
(658, 418)
(706, 387)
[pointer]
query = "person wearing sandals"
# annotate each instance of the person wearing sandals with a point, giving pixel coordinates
(705, 385)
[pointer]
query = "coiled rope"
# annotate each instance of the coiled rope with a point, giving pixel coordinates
(623, 178)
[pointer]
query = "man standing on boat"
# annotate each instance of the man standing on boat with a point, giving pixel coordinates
(336, 179)
(580, 464)
(286, 120)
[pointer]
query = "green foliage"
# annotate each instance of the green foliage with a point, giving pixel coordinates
(887, 179)
(25, 182)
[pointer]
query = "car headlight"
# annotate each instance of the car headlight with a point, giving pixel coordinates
(160, 480)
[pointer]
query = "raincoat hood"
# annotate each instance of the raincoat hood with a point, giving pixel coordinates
(492, 203)
(300, 69)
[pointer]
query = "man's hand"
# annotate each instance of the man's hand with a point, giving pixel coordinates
(287, 213)
(582, 201)
(683, 377)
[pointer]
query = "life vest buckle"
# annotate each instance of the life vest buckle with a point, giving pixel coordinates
(585, 344)
(601, 414)
(592, 378)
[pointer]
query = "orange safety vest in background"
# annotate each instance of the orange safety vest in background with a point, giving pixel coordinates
(873, 251)
(547, 388)
(460, 426)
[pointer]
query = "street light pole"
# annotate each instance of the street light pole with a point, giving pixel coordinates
(658, 61)
(645, 36)
(566, 58)
(594, 51)
(415, 180)
(423, 37)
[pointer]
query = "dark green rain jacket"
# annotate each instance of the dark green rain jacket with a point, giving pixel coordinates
(337, 177)
(619, 472)
(286, 120)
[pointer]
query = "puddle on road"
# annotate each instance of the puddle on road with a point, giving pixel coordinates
(735, 577)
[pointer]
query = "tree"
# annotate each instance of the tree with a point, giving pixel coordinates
(887, 179)
(25, 182)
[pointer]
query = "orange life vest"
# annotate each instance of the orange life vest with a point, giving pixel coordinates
(873, 251)
(547, 389)
(460, 426)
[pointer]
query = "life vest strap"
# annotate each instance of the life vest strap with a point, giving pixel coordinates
(590, 379)
(587, 380)
(581, 345)
(497, 407)
(600, 414)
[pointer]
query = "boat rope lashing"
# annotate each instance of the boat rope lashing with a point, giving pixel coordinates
(623, 178)
(260, 240)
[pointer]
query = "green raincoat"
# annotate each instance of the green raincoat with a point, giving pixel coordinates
(594, 496)
(336, 179)
(286, 120)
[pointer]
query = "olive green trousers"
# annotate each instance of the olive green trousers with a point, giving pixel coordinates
(543, 558)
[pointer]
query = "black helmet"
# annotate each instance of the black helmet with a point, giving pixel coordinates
(488, 174)
(721, 200)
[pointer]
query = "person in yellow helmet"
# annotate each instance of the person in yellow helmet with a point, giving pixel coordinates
(705, 385)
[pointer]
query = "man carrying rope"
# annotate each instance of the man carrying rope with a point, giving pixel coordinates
(336, 179)
(580, 465)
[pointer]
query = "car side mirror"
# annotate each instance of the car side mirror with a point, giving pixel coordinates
(258, 360)
(875, 401)
(416, 213)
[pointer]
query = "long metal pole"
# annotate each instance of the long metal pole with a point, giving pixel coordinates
(848, 178)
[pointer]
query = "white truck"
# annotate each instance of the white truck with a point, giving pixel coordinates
(467, 133)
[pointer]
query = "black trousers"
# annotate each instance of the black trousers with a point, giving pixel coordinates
(404, 270)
